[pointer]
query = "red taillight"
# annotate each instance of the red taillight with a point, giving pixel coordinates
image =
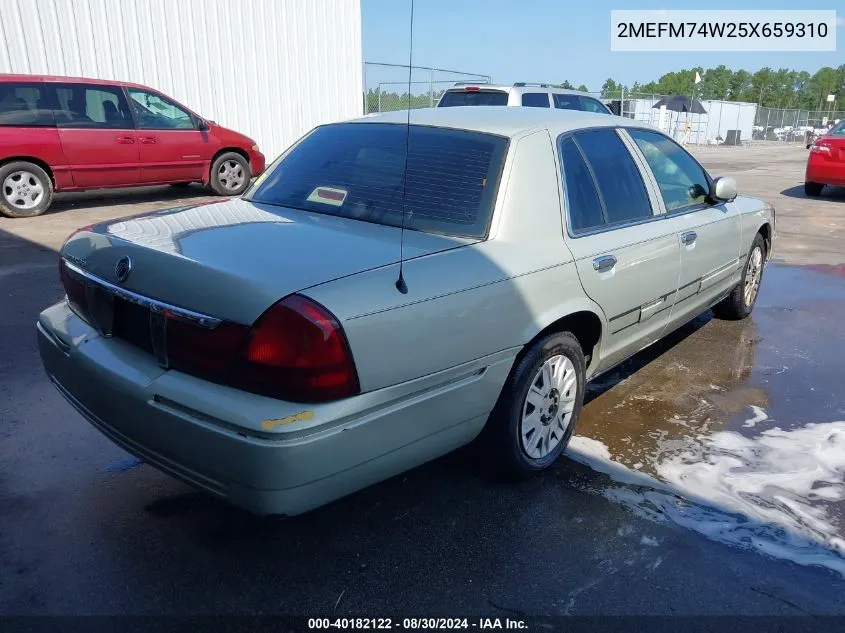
(297, 351)
(202, 352)
(821, 147)
(471, 88)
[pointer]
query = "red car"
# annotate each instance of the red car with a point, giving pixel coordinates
(826, 164)
(70, 134)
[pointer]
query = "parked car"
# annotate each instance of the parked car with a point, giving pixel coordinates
(826, 161)
(341, 322)
(70, 134)
(520, 94)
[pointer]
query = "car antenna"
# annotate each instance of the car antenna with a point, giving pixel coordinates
(401, 286)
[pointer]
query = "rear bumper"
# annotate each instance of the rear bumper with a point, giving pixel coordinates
(826, 172)
(213, 437)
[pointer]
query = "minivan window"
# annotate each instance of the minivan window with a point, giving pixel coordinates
(620, 184)
(453, 98)
(535, 99)
(91, 107)
(25, 105)
(583, 204)
(154, 112)
(567, 102)
(357, 170)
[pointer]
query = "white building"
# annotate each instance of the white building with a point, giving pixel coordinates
(271, 69)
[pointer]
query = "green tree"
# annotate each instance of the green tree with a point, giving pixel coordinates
(583, 88)
(610, 89)
(566, 85)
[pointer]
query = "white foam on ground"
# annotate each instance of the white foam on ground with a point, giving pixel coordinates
(759, 416)
(773, 493)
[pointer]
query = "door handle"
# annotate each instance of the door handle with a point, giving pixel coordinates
(148, 140)
(604, 263)
(125, 140)
(688, 237)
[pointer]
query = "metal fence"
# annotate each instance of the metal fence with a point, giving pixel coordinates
(386, 85)
(791, 125)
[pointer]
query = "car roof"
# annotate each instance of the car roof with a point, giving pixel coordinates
(5, 78)
(521, 89)
(501, 120)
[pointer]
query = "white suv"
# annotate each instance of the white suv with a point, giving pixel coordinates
(520, 94)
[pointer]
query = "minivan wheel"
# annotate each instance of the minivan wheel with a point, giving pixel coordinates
(230, 174)
(739, 304)
(25, 190)
(539, 406)
(813, 188)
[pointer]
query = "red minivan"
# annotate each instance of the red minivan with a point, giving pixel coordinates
(71, 134)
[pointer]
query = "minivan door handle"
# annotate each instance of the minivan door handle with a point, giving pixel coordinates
(688, 238)
(604, 263)
(148, 140)
(126, 140)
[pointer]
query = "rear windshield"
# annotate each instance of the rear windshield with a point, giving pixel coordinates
(473, 98)
(838, 129)
(356, 170)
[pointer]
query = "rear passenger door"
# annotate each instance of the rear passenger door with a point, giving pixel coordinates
(97, 135)
(709, 235)
(626, 254)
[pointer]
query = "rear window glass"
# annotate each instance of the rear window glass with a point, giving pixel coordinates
(535, 99)
(838, 129)
(356, 170)
(453, 98)
(25, 105)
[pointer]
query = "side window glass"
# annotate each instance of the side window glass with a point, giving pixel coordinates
(154, 112)
(24, 105)
(583, 204)
(567, 102)
(535, 99)
(682, 181)
(91, 107)
(620, 185)
(591, 105)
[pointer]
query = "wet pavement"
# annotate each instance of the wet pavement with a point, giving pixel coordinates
(707, 476)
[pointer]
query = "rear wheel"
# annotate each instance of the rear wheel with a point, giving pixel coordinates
(230, 174)
(739, 304)
(813, 188)
(25, 190)
(539, 406)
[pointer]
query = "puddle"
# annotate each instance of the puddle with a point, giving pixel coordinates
(735, 430)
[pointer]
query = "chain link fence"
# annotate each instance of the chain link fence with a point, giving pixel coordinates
(791, 125)
(386, 85)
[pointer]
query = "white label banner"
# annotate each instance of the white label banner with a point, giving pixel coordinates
(723, 30)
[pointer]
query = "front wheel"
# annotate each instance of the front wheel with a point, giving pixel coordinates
(813, 189)
(739, 304)
(539, 406)
(230, 175)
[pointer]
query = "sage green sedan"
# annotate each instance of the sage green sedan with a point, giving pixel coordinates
(385, 292)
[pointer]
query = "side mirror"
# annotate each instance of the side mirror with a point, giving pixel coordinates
(202, 126)
(724, 189)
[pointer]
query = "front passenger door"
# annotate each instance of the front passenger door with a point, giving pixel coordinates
(626, 254)
(172, 148)
(709, 235)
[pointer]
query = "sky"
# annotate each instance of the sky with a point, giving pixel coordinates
(551, 40)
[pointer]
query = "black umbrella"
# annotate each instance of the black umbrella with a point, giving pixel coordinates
(680, 103)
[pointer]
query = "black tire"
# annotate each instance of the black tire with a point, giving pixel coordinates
(813, 189)
(30, 178)
(504, 431)
(734, 307)
(217, 180)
